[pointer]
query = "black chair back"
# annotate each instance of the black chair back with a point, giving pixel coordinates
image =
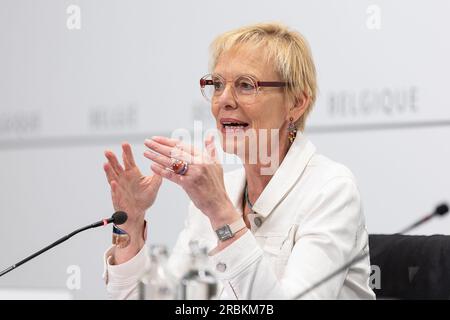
(411, 267)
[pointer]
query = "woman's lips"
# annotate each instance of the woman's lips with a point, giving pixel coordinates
(228, 130)
(231, 125)
(234, 127)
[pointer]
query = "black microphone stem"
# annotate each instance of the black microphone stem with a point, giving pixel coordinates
(416, 224)
(34, 255)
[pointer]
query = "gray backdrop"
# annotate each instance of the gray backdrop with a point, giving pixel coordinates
(131, 70)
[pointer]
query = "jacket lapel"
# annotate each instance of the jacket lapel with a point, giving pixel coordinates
(288, 173)
(285, 177)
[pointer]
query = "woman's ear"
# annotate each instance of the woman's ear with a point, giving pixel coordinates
(298, 106)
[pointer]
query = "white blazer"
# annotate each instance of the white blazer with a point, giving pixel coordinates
(308, 222)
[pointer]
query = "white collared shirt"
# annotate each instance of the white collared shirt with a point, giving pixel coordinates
(308, 222)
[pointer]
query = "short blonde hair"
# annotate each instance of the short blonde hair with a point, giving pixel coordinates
(289, 51)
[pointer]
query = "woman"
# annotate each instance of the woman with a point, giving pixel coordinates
(272, 233)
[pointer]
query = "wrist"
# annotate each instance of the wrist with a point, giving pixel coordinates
(134, 223)
(226, 243)
(129, 238)
(223, 216)
(223, 244)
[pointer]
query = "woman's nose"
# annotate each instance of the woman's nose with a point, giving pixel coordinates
(227, 99)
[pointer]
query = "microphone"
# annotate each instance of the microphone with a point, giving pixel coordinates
(117, 218)
(440, 210)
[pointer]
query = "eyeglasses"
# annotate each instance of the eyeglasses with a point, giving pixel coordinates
(245, 88)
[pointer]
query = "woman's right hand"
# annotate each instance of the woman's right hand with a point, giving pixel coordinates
(131, 191)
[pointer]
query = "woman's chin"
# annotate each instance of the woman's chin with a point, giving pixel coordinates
(231, 145)
(238, 141)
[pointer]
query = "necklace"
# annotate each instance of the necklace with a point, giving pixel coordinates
(247, 200)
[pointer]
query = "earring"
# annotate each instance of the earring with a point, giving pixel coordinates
(292, 130)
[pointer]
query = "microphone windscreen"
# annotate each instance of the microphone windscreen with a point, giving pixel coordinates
(442, 209)
(119, 217)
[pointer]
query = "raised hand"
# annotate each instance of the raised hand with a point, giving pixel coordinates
(203, 181)
(131, 191)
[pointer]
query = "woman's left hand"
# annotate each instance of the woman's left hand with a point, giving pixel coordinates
(203, 180)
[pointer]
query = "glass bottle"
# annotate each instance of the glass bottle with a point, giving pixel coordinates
(157, 283)
(199, 283)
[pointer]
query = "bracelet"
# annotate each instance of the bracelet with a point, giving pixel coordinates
(121, 239)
